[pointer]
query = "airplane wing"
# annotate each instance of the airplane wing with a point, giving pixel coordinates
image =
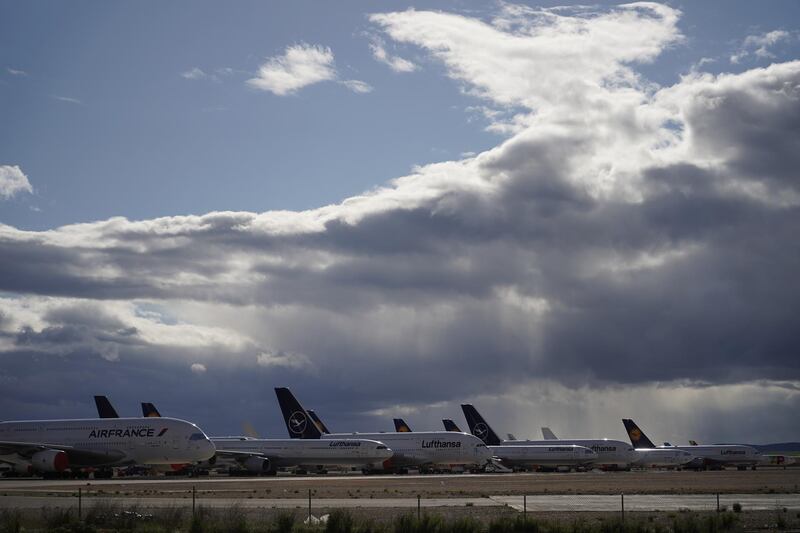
(77, 456)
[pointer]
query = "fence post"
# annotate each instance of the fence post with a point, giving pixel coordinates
(80, 506)
(622, 504)
(718, 502)
(194, 498)
(525, 505)
(309, 507)
(418, 507)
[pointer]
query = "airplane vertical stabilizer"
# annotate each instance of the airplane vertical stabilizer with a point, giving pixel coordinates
(637, 436)
(299, 424)
(478, 426)
(104, 408)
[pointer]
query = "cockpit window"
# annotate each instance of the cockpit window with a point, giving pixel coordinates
(381, 448)
(197, 436)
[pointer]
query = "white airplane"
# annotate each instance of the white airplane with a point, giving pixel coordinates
(705, 455)
(422, 449)
(551, 455)
(50, 446)
(648, 457)
(609, 453)
(265, 456)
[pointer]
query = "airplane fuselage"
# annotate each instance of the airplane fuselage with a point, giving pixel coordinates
(297, 452)
(105, 441)
(426, 447)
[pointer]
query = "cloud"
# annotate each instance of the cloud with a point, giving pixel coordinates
(16, 72)
(198, 368)
(357, 86)
(194, 73)
(283, 359)
(397, 64)
(13, 181)
(299, 66)
(67, 99)
(759, 45)
(624, 242)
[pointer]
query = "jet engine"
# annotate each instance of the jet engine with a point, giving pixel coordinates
(257, 465)
(50, 461)
(22, 468)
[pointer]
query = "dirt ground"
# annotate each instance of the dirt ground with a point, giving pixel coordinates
(762, 481)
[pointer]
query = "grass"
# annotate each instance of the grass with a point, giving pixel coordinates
(109, 517)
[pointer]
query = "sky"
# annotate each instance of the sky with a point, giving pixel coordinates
(564, 214)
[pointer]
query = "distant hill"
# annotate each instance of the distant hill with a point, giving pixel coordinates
(779, 447)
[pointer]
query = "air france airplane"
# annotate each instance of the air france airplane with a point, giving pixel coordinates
(708, 455)
(50, 446)
(609, 453)
(426, 448)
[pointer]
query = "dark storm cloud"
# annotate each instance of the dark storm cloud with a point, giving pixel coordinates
(616, 250)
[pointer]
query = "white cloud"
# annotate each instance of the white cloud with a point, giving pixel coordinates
(397, 64)
(357, 86)
(198, 368)
(68, 99)
(300, 65)
(15, 72)
(759, 45)
(283, 359)
(13, 181)
(194, 73)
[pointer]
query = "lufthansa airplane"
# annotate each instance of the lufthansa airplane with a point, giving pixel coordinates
(708, 455)
(423, 449)
(265, 456)
(51, 446)
(648, 457)
(609, 453)
(550, 455)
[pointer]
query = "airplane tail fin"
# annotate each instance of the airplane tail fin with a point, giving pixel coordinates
(299, 424)
(693, 442)
(149, 410)
(478, 426)
(104, 408)
(637, 436)
(548, 434)
(449, 425)
(317, 422)
(400, 426)
(511, 436)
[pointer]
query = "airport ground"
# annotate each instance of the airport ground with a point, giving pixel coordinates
(768, 496)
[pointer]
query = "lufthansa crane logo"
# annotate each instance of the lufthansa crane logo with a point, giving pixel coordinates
(636, 434)
(298, 422)
(481, 430)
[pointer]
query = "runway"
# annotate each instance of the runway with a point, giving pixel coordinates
(539, 503)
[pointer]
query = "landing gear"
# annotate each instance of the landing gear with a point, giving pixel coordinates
(104, 473)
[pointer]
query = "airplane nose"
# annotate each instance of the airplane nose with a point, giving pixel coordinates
(208, 450)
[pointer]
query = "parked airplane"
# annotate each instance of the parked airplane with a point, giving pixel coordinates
(649, 457)
(514, 453)
(104, 408)
(265, 456)
(149, 410)
(608, 453)
(317, 422)
(548, 434)
(422, 449)
(449, 425)
(400, 426)
(706, 455)
(50, 446)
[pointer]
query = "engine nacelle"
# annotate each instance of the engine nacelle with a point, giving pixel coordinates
(257, 465)
(50, 461)
(22, 469)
